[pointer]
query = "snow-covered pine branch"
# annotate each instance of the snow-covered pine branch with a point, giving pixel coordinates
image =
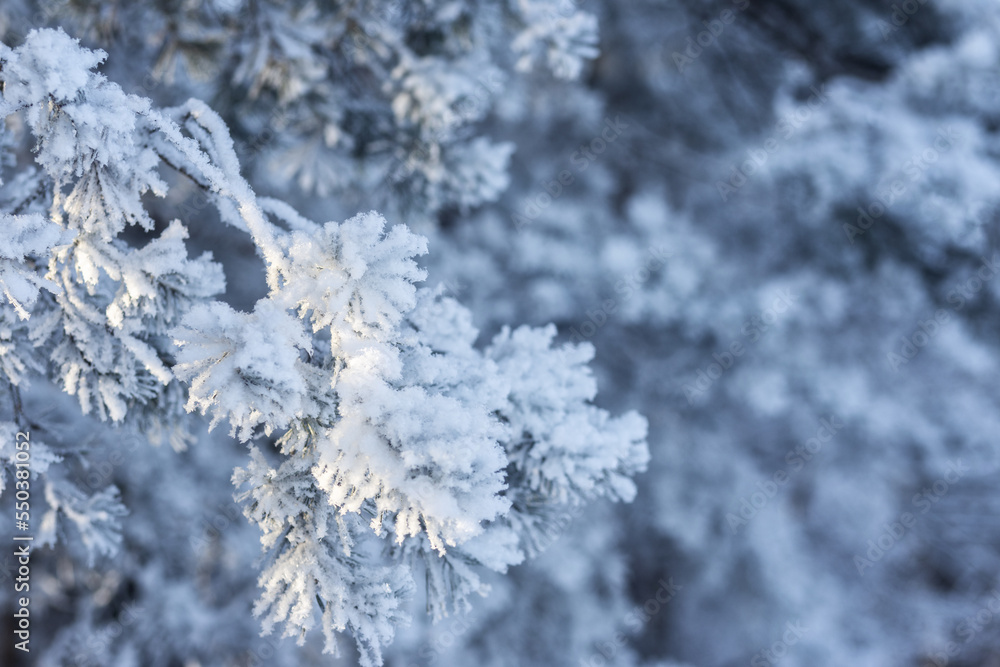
(398, 441)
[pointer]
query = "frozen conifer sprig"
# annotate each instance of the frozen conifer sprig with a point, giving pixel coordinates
(382, 99)
(111, 304)
(398, 442)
